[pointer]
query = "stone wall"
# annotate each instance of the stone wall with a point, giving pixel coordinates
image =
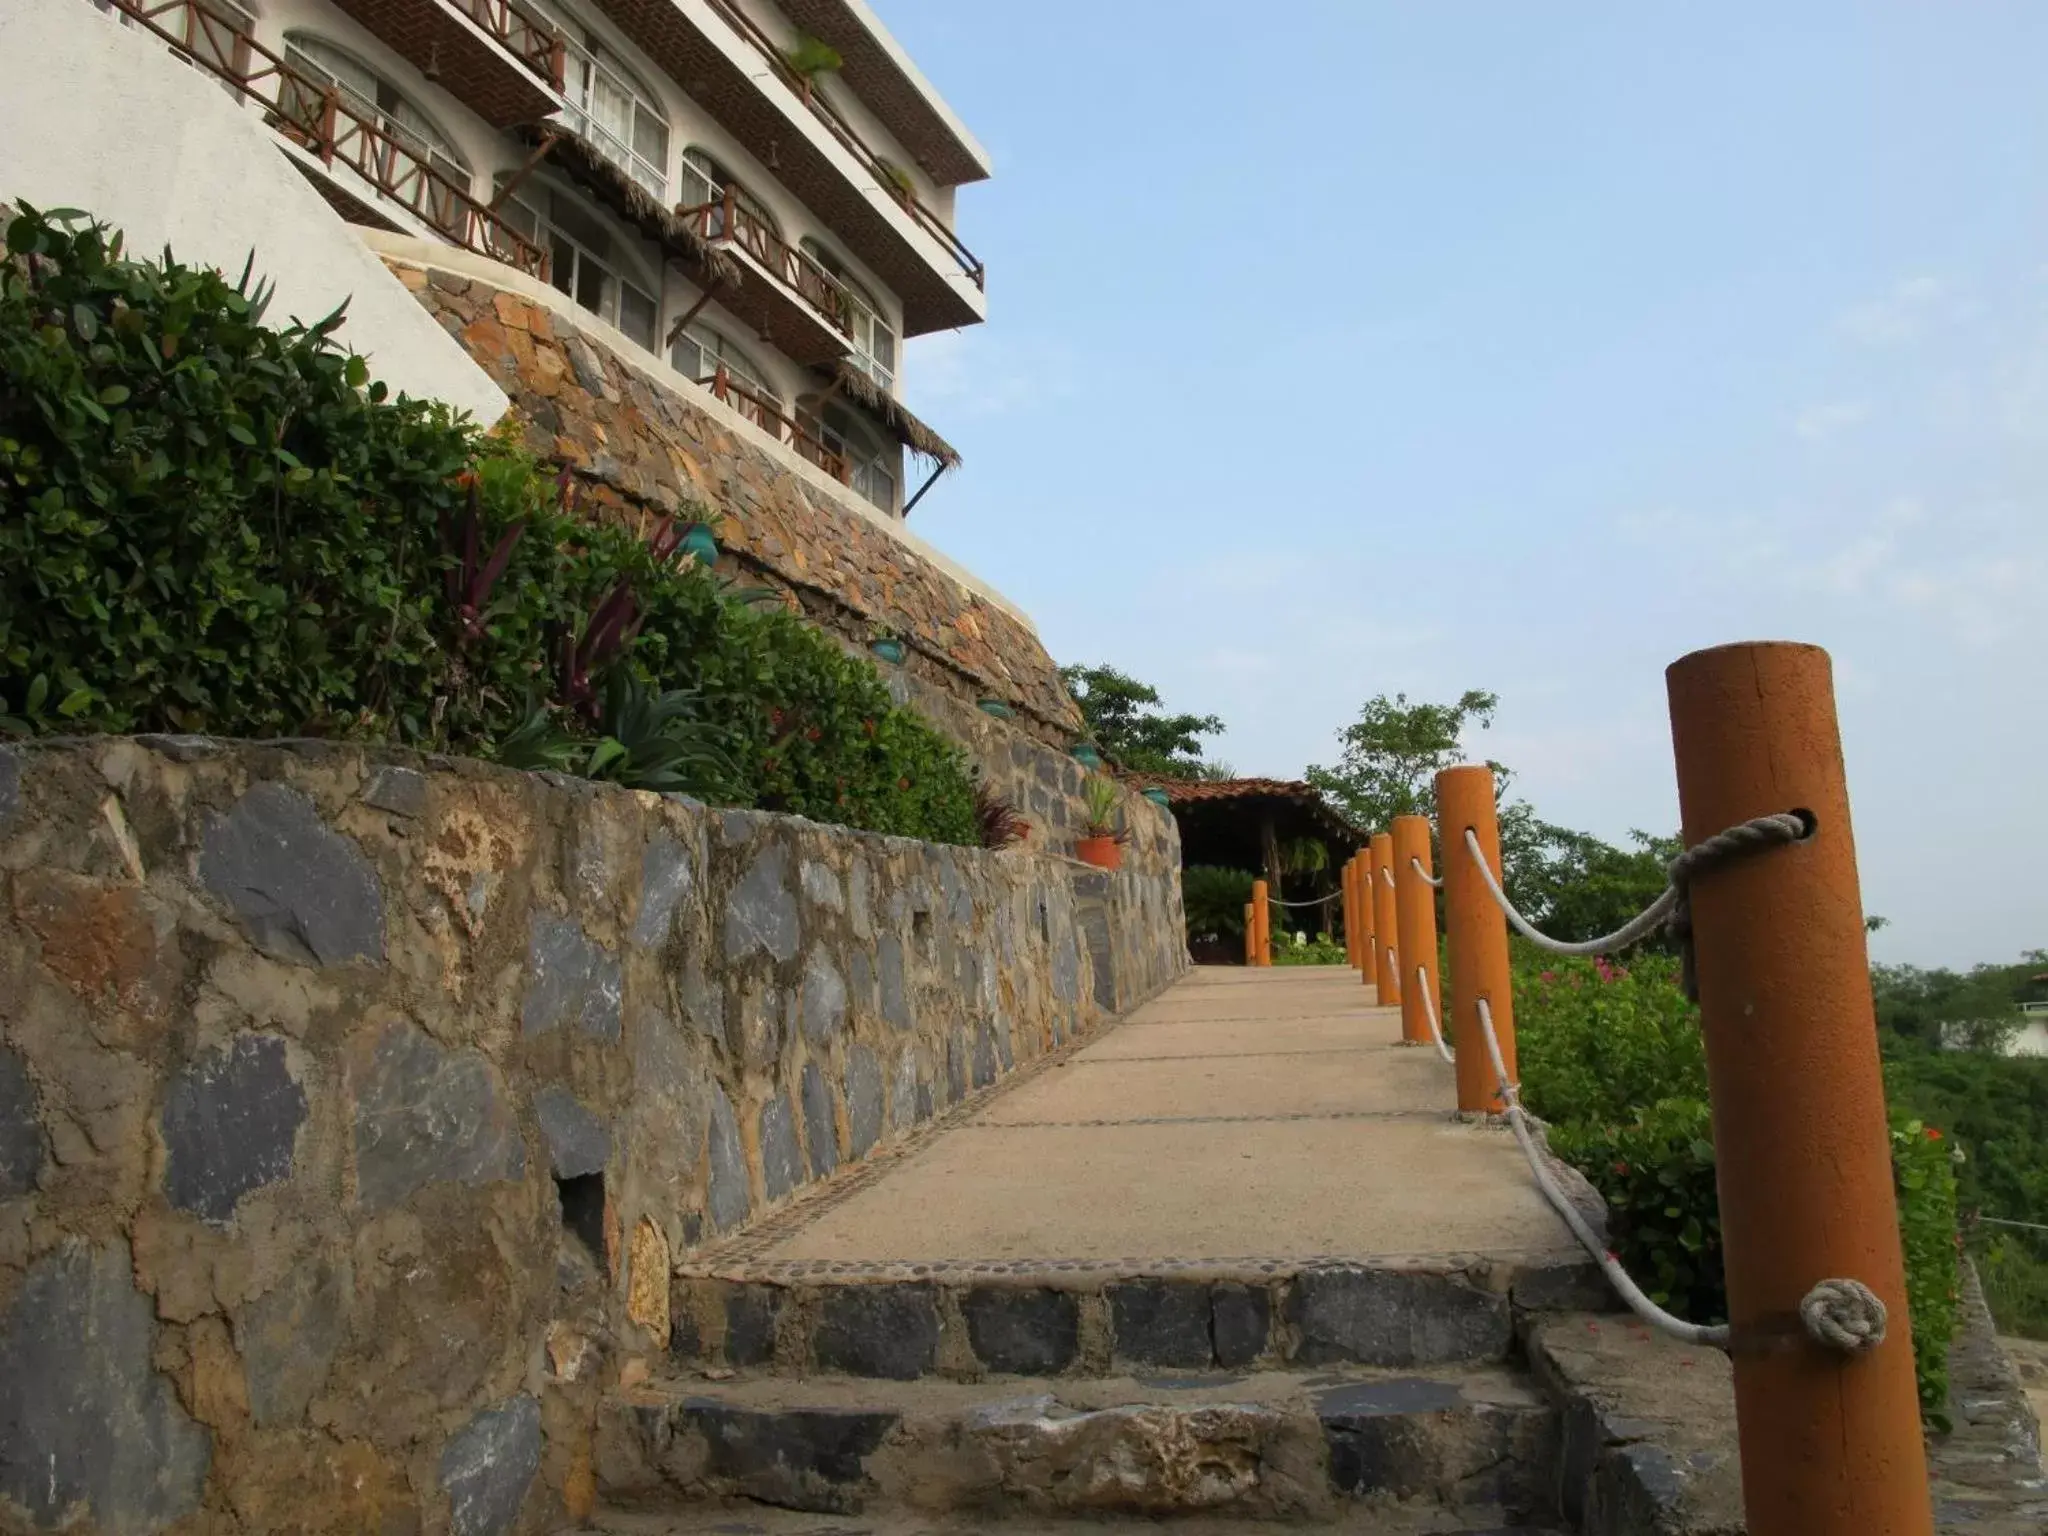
(640, 446)
(356, 1108)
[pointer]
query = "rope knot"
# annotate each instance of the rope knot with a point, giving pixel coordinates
(1844, 1315)
(1744, 837)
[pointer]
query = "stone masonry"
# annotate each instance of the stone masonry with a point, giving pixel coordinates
(356, 1108)
(639, 448)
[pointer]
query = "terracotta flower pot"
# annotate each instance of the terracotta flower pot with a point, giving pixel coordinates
(1102, 852)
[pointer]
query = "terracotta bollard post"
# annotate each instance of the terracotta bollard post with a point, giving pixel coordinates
(1385, 963)
(1262, 925)
(1830, 1441)
(1251, 932)
(1415, 920)
(1368, 973)
(1477, 935)
(1353, 949)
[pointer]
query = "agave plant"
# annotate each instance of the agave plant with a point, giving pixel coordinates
(648, 739)
(1102, 804)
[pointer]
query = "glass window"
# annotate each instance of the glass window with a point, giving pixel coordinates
(583, 263)
(698, 352)
(871, 467)
(376, 100)
(620, 120)
(874, 339)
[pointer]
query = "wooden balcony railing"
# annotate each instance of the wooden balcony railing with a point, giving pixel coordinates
(883, 172)
(528, 39)
(767, 415)
(321, 119)
(732, 218)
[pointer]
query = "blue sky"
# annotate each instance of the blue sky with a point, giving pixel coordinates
(1424, 347)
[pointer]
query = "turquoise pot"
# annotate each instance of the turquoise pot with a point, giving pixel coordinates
(890, 651)
(1157, 797)
(1087, 756)
(997, 708)
(699, 542)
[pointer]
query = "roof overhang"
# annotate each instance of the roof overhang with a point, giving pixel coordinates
(878, 71)
(504, 82)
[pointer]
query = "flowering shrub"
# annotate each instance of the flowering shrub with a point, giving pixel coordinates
(1612, 1058)
(1299, 949)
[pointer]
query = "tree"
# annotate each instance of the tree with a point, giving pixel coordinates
(1393, 752)
(1128, 727)
(1975, 1010)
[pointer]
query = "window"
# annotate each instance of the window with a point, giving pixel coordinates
(873, 470)
(373, 98)
(215, 35)
(874, 341)
(583, 261)
(698, 352)
(619, 119)
(704, 183)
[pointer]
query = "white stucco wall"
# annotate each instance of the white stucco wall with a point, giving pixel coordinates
(101, 117)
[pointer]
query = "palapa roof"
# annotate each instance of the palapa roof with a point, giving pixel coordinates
(1220, 819)
(892, 414)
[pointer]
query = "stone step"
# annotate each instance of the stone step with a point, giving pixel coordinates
(1463, 1449)
(724, 1518)
(1074, 1320)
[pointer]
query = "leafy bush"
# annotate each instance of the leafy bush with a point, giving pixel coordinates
(1320, 950)
(211, 524)
(1214, 900)
(1612, 1057)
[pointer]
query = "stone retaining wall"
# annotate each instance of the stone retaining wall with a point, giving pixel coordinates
(356, 1108)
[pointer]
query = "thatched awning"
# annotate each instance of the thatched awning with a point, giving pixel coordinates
(1221, 820)
(890, 412)
(579, 160)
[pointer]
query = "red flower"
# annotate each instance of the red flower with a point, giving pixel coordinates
(1621, 1167)
(1933, 1134)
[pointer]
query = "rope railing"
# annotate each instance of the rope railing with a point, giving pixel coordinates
(1434, 882)
(1312, 901)
(1436, 1028)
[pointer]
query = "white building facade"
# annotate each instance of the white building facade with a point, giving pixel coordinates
(758, 196)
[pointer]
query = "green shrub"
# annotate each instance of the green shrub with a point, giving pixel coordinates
(210, 524)
(1214, 900)
(1612, 1057)
(1320, 950)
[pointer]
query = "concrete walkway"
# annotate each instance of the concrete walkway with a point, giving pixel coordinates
(1243, 1114)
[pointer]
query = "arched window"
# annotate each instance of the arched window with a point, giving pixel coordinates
(376, 99)
(616, 114)
(874, 339)
(700, 351)
(703, 186)
(871, 464)
(585, 259)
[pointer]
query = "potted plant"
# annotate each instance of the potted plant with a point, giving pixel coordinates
(809, 57)
(701, 542)
(1102, 840)
(997, 708)
(886, 643)
(898, 180)
(1158, 797)
(1085, 754)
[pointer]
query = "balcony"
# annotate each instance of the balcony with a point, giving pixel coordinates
(786, 295)
(502, 62)
(768, 416)
(737, 73)
(370, 170)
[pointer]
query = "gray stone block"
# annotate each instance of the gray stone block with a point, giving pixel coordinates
(821, 1126)
(667, 875)
(863, 1100)
(821, 886)
(401, 791)
(302, 893)
(895, 991)
(956, 1065)
(761, 913)
(21, 1128)
(903, 1091)
(887, 1330)
(488, 1465)
(1066, 969)
(10, 786)
(800, 1458)
(579, 1142)
(569, 980)
(984, 1063)
(824, 1005)
(1395, 1318)
(752, 1313)
(424, 1115)
(1161, 1322)
(1094, 921)
(288, 1338)
(230, 1124)
(90, 1435)
(781, 1160)
(1022, 1332)
(730, 1200)
(1241, 1320)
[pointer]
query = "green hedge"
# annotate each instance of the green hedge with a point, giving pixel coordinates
(213, 524)
(1611, 1056)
